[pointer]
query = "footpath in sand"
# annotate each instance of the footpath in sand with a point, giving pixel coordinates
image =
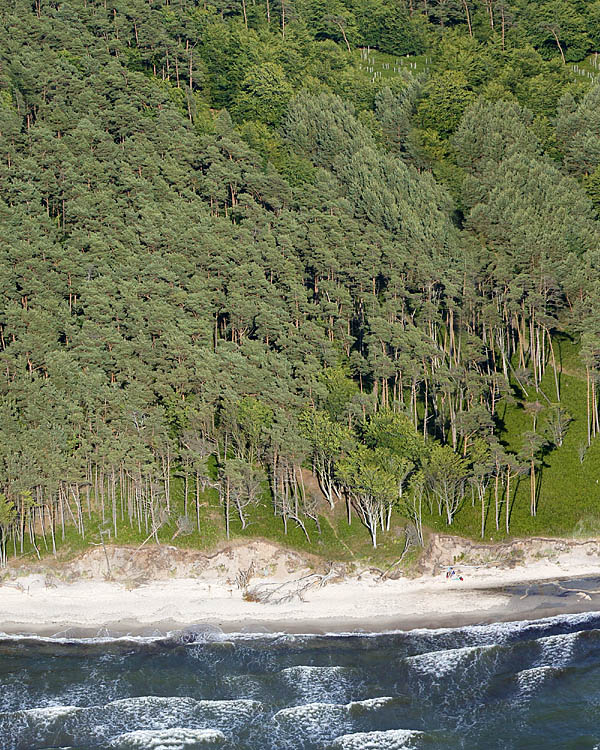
(162, 588)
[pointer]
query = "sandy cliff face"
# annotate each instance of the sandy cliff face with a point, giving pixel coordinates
(444, 549)
(259, 559)
(158, 563)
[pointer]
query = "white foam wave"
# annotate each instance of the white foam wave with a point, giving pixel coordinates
(489, 631)
(393, 739)
(49, 713)
(304, 671)
(73, 640)
(314, 722)
(529, 680)
(156, 713)
(557, 650)
(43, 724)
(497, 631)
(170, 739)
(326, 719)
(42, 720)
(441, 663)
(369, 703)
(100, 723)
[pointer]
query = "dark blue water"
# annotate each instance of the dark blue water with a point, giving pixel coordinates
(509, 685)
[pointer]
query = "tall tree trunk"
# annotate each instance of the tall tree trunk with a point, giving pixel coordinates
(198, 501)
(490, 9)
(589, 420)
(508, 500)
(468, 15)
(556, 381)
(532, 487)
(497, 507)
(227, 501)
(558, 44)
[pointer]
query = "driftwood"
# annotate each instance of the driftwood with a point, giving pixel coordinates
(582, 593)
(243, 578)
(281, 593)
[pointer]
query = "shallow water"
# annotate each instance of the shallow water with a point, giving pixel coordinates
(508, 685)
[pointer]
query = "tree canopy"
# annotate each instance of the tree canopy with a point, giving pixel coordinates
(231, 253)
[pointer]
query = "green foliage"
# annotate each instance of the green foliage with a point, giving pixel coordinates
(390, 28)
(340, 391)
(394, 432)
(446, 474)
(263, 95)
(8, 512)
(447, 95)
(557, 26)
(236, 247)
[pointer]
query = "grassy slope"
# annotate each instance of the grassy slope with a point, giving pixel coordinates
(337, 540)
(569, 490)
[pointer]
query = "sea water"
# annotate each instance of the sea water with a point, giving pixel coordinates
(532, 684)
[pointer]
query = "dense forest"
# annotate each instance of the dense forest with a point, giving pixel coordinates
(298, 256)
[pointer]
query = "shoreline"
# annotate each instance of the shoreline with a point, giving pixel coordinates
(298, 620)
(184, 590)
(321, 627)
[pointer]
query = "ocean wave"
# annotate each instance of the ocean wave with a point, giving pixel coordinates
(78, 640)
(442, 663)
(530, 680)
(35, 727)
(170, 739)
(323, 721)
(73, 725)
(497, 631)
(370, 703)
(557, 650)
(49, 713)
(392, 739)
(301, 692)
(155, 712)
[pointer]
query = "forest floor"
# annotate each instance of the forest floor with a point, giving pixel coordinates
(120, 590)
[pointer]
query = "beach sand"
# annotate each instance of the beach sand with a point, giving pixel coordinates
(86, 604)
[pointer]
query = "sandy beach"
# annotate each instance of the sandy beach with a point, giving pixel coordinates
(187, 592)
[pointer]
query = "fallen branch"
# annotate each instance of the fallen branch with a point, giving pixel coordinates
(579, 591)
(281, 593)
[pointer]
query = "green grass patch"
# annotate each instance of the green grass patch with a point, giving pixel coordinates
(568, 488)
